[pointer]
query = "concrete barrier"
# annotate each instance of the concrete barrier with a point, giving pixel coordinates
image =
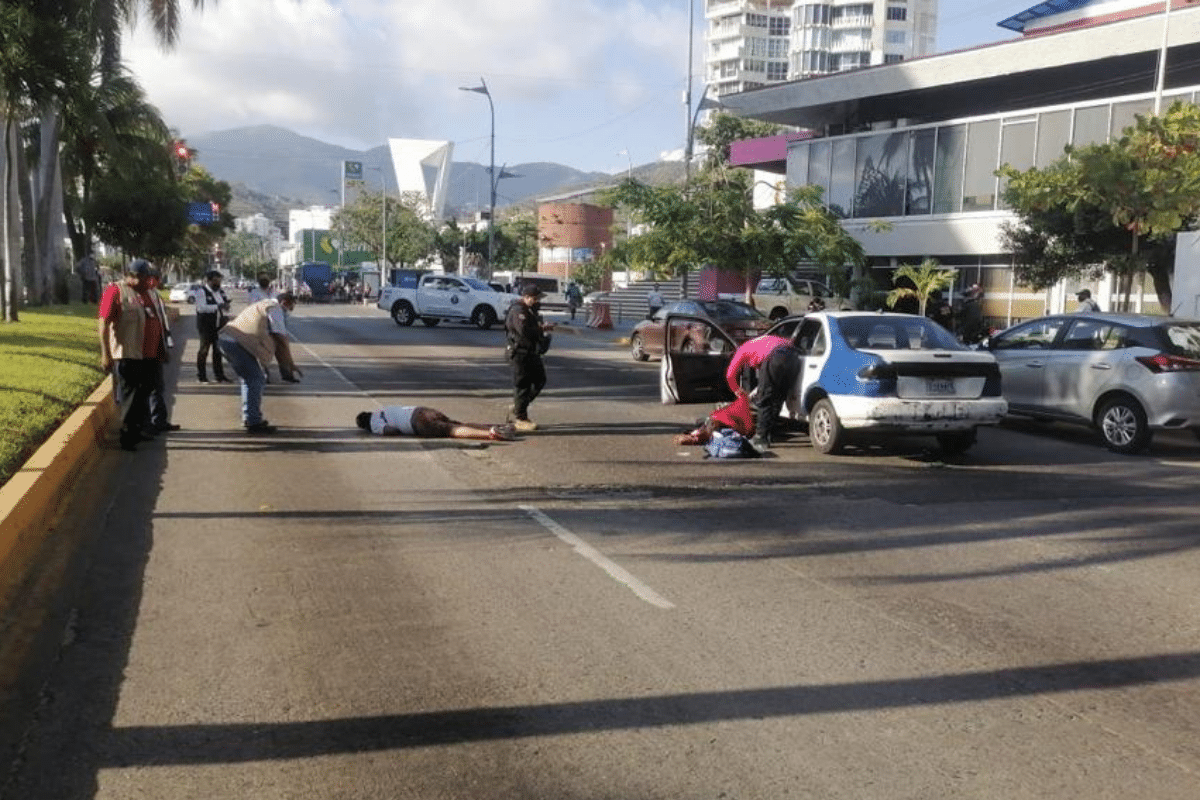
(33, 499)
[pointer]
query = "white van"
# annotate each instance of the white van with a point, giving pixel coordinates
(551, 286)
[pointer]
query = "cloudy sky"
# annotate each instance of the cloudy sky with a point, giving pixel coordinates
(594, 84)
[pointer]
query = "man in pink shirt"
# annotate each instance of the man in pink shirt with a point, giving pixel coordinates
(771, 363)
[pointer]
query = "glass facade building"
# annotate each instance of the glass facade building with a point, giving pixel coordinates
(949, 167)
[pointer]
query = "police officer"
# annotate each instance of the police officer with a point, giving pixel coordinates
(212, 312)
(527, 337)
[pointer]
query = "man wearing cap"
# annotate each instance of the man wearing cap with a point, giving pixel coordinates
(251, 341)
(1086, 303)
(132, 340)
(212, 312)
(527, 338)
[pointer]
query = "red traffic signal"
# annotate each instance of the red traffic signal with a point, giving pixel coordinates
(182, 152)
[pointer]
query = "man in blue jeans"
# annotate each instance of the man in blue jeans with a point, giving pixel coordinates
(250, 342)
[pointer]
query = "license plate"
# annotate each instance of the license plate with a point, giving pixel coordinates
(939, 386)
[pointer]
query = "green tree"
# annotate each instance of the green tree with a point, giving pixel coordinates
(723, 130)
(1113, 207)
(926, 279)
(409, 237)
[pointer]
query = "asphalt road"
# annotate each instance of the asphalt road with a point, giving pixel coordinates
(593, 612)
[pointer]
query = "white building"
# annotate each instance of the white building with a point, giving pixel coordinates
(752, 43)
(262, 227)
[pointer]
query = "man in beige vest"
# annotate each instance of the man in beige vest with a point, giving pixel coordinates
(251, 341)
(132, 340)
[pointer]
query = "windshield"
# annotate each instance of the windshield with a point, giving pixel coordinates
(896, 333)
(477, 285)
(1184, 338)
(728, 309)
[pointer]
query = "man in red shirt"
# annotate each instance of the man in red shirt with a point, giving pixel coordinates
(774, 365)
(131, 344)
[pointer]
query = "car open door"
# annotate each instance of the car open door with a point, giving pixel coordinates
(696, 354)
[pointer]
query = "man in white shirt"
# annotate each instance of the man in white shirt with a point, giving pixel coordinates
(654, 300)
(262, 291)
(428, 423)
(212, 311)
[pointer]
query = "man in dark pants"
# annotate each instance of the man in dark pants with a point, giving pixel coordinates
(212, 312)
(160, 411)
(527, 339)
(776, 365)
(131, 342)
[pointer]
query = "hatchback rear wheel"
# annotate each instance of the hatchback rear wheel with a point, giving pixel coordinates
(1122, 424)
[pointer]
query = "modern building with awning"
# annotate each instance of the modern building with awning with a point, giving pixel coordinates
(917, 143)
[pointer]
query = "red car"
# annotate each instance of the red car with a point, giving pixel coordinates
(739, 321)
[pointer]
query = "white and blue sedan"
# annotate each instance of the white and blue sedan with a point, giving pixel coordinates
(864, 374)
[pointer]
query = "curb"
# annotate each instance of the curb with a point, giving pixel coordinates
(33, 499)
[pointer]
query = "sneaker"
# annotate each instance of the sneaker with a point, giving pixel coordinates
(525, 425)
(502, 433)
(202, 379)
(261, 427)
(760, 444)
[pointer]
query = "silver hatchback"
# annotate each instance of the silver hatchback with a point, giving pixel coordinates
(1125, 374)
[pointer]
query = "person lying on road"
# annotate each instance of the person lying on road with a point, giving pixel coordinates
(428, 423)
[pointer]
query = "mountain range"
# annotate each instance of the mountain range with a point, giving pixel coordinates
(272, 170)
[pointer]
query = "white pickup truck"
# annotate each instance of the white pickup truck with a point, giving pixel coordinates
(445, 297)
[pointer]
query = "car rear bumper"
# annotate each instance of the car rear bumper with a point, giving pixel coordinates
(892, 413)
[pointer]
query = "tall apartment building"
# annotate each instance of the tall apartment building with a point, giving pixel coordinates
(751, 43)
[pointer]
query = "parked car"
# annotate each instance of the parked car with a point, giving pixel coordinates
(183, 293)
(1125, 374)
(784, 296)
(445, 297)
(863, 374)
(737, 321)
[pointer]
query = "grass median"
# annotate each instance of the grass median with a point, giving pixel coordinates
(49, 364)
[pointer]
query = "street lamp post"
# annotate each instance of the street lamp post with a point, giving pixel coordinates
(1161, 76)
(482, 88)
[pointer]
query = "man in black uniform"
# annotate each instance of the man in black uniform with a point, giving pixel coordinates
(527, 339)
(212, 312)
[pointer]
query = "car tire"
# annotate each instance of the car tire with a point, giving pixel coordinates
(191, 300)
(1122, 423)
(402, 313)
(637, 348)
(957, 443)
(484, 317)
(430, 322)
(825, 429)
(777, 314)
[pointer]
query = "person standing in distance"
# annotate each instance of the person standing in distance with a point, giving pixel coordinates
(260, 292)
(131, 342)
(528, 338)
(1086, 303)
(212, 312)
(655, 301)
(160, 411)
(251, 341)
(89, 277)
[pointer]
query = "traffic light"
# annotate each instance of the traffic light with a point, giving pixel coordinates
(182, 155)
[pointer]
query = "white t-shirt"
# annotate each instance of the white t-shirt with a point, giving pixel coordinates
(399, 417)
(259, 293)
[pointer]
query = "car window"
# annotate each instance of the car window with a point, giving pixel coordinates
(1036, 335)
(770, 286)
(1093, 334)
(1183, 339)
(811, 338)
(786, 329)
(896, 333)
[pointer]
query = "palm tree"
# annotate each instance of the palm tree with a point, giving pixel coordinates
(926, 279)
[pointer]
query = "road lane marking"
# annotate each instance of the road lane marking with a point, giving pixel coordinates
(616, 572)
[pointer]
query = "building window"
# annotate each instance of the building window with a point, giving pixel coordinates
(948, 168)
(892, 58)
(756, 21)
(897, 13)
(979, 182)
(897, 38)
(1091, 126)
(780, 26)
(1124, 115)
(919, 195)
(881, 175)
(756, 46)
(1054, 131)
(777, 70)
(816, 14)
(1018, 138)
(818, 165)
(777, 48)
(841, 177)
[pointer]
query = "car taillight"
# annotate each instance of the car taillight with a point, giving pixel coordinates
(1164, 362)
(879, 371)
